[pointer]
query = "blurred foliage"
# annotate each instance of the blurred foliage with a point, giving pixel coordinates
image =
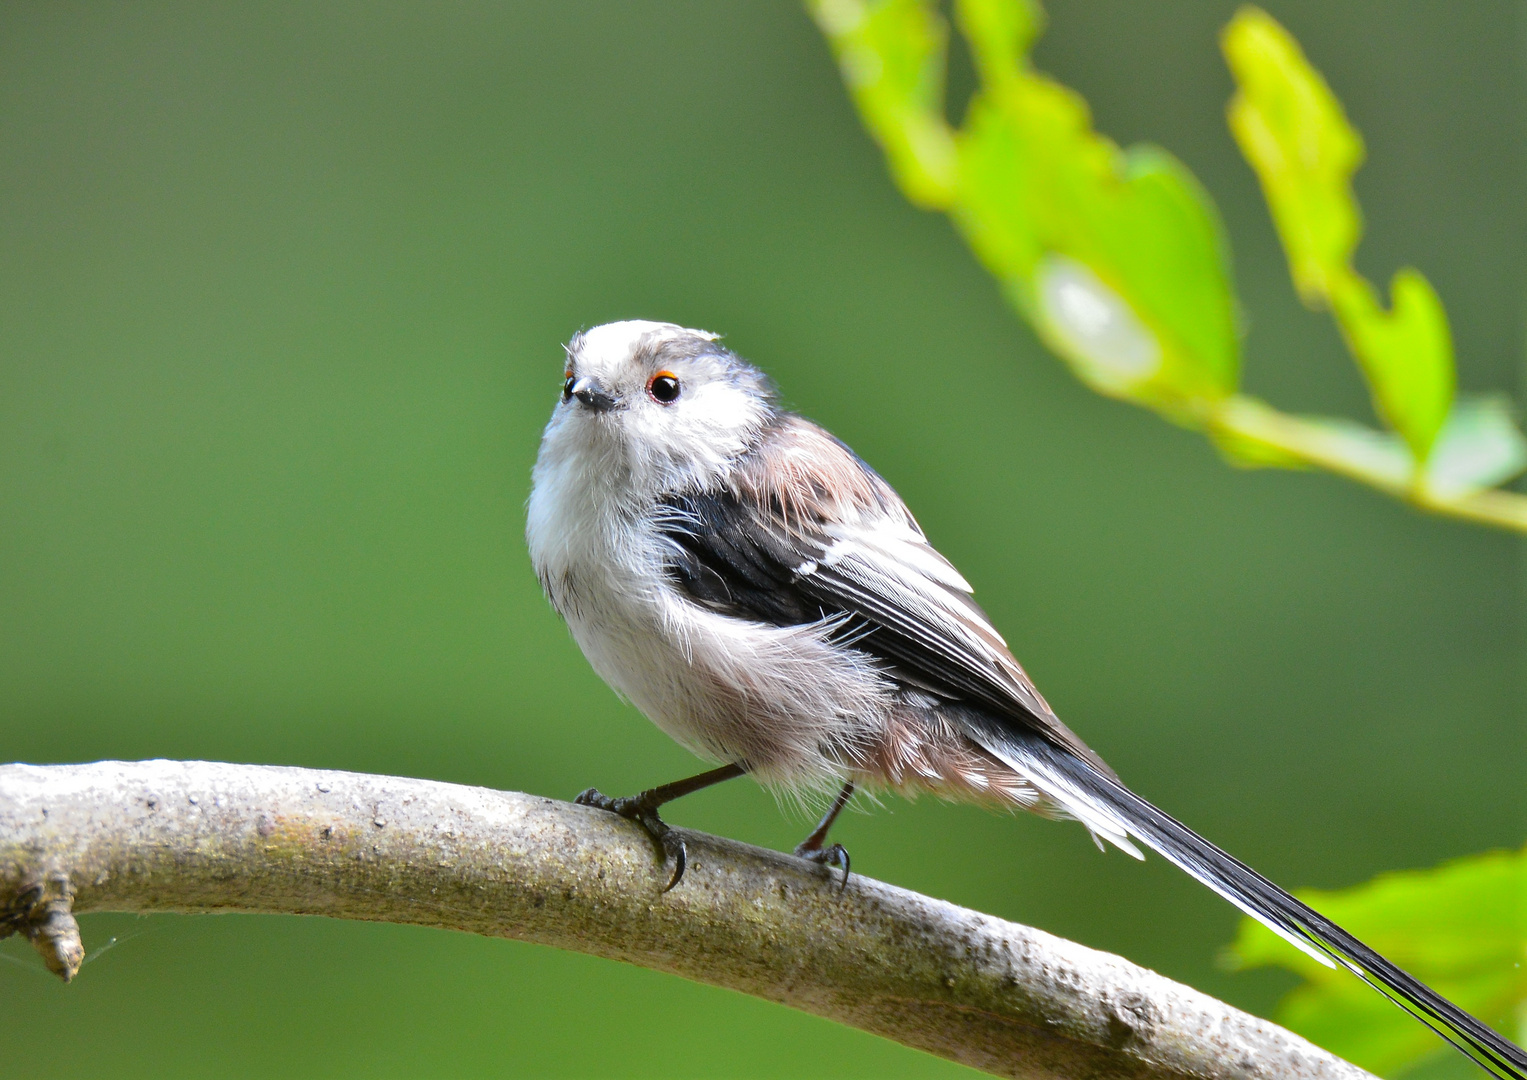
(1118, 261)
(1293, 131)
(1117, 258)
(1461, 928)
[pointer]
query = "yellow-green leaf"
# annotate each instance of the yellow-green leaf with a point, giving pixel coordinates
(1406, 353)
(1292, 130)
(1118, 260)
(1000, 33)
(892, 55)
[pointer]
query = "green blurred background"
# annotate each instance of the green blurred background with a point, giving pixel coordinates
(282, 287)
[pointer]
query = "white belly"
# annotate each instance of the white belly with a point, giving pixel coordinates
(779, 700)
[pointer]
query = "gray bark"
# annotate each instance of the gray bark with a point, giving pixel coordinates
(208, 837)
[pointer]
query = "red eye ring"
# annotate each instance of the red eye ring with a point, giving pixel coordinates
(664, 387)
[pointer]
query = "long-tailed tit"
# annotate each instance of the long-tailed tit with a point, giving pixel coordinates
(768, 601)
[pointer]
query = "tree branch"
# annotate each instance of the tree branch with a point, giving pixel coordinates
(206, 837)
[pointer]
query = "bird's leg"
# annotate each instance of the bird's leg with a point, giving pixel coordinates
(815, 847)
(642, 809)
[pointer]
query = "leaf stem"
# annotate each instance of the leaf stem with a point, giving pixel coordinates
(1345, 452)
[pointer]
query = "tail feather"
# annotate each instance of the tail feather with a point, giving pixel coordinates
(1110, 809)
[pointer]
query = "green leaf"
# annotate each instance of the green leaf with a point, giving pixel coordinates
(1292, 130)
(1480, 446)
(1041, 193)
(1406, 354)
(1118, 260)
(892, 54)
(1461, 928)
(1090, 324)
(1000, 33)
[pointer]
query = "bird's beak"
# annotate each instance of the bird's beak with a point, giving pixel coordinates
(592, 395)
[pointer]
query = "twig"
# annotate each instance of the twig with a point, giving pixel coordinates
(207, 837)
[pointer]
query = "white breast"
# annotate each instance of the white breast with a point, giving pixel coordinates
(781, 700)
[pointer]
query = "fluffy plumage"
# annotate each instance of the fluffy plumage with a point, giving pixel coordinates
(769, 601)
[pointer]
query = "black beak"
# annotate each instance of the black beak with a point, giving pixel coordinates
(592, 395)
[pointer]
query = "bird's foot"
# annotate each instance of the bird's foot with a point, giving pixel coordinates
(640, 809)
(833, 855)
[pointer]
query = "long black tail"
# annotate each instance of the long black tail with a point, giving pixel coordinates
(1110, 809)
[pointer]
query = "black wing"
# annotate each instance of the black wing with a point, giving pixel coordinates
(906, 605)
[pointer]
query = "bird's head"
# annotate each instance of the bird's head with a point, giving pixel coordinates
(657, 406)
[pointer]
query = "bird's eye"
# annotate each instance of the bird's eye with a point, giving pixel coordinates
(664, 388)
(567, 387)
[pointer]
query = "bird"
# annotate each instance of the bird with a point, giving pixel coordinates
(767, 600)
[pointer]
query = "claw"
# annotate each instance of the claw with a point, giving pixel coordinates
(635, 808)
(832, 855)
(680, 858)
